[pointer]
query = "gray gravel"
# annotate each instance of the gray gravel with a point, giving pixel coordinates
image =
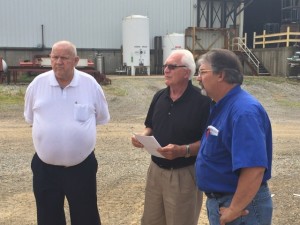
(122, 168)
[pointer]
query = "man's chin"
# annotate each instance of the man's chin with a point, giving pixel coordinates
(167, 82)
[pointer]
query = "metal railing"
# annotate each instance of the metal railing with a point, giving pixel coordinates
(239, 44)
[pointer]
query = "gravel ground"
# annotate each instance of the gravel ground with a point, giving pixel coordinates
(122, 168)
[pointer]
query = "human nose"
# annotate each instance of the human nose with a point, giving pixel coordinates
(166, 70)
(199, 78)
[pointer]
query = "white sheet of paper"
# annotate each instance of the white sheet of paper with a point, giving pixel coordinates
(150, 144)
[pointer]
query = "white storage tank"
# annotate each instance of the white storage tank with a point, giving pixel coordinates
(171, 42)
(3, 66)
(136, 43)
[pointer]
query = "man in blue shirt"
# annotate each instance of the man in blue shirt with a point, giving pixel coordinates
(235, 157)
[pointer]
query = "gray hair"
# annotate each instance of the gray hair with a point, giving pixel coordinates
(226, 61)
(187, 60)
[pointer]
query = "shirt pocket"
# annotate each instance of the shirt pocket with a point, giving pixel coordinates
(82, 112)
(214, 147)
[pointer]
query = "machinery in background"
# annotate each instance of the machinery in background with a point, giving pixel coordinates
(294, 66)
(42, 63)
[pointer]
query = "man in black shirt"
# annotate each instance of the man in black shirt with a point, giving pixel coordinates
(177, 119)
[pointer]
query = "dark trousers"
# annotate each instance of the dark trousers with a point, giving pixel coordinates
(51, 184)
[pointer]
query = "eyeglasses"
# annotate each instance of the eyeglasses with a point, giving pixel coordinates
(202, 72)
(172, 66)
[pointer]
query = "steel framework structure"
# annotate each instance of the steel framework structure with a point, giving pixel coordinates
(212, 11)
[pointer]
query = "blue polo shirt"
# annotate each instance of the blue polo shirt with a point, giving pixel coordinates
(238, 135)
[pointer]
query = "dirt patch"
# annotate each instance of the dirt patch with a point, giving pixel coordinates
(122, 168)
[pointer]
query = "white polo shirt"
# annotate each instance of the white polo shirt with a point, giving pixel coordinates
(64, 120)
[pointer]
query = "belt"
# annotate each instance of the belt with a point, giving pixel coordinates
(264, 184)
(216, 194)
(171, 167)
(222, 194)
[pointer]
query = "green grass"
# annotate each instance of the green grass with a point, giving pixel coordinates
(26, 78)
(12, 94)
(112, 90)
(290, 104)
(264, 79)
(281, 98)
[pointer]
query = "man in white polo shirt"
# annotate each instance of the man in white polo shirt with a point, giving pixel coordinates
(64, 106)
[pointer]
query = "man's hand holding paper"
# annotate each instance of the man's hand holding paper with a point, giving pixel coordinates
(149, 143)
(170, 151)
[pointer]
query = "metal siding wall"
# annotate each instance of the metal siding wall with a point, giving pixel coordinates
(17, 28)
(170, 16)
(89, 24)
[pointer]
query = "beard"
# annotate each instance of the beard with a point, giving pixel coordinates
(203, 91)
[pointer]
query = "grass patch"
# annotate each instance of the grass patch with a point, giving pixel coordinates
(250, 80)
(287, 103)
(112, 90)
(268, 79)
(26, 78)
(12, 94)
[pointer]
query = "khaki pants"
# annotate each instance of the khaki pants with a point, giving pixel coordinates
(171, 197)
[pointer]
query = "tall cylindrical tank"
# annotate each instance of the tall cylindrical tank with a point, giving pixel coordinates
(3, 65)
(171, 42)
(100, 63)
(136, 42)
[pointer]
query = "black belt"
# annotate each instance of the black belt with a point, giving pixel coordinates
(216, 194)
(172, 167)
(222, 194)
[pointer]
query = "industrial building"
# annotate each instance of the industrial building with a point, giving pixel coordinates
(131, 36)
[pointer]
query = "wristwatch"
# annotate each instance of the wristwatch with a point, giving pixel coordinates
(188, 151)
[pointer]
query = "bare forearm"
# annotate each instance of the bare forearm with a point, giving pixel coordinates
(147, 131)
(249, 182)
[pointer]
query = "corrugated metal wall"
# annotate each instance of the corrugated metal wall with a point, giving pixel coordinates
(88, 24)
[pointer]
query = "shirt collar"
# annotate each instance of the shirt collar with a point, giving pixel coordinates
(74, 81)
(231, 93)
(186, 91)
